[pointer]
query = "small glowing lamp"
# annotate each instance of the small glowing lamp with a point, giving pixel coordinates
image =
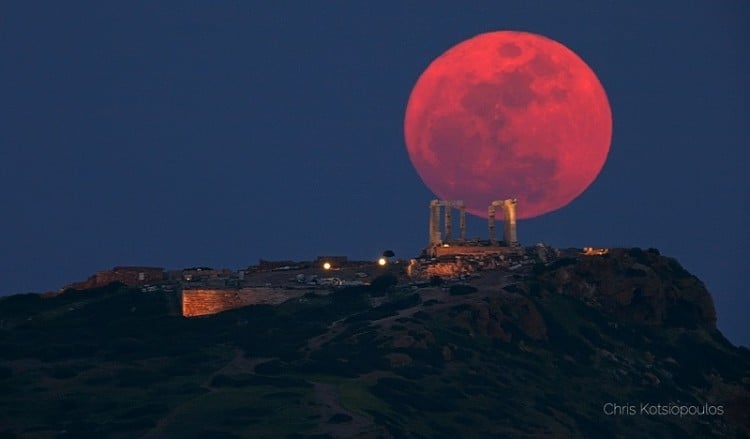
(326, 266)
(382, 262)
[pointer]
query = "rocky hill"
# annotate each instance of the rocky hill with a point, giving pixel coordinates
(620, 345)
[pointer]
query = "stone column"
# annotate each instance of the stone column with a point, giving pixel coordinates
(448, 221)
(434, 222)
(462, 221)
(509, 222)
(491, 223)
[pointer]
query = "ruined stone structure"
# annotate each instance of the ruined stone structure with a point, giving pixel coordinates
(201, 301)
(441, 245)
(130, 276)
(448, 205)
(509, 221)
(456, 265)
(473, 249)
(203, 273)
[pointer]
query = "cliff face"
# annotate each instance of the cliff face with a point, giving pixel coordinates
(497, 315)
(630, 286)
(537, 351)
(637, 286)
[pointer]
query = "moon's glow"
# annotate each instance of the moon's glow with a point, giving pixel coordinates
(508, 115)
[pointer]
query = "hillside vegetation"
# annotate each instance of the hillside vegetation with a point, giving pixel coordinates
(533, 353)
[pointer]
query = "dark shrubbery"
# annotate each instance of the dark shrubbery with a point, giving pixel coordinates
(401, 393)
(245, 380)
(638, 254)
(635, 252)
(150, 410)
(683, 314)
(20, 304)
(560, 263)
(348, 300)
(416, 371)
(538, 269)
(677, 269)
(340, 418)
(383, 283)
(462, 290)
(325, 366)
(635, 272)
(421, 315)
(386, 310)
(535, 288)
(217, 434)
(272, 367)
(513, 289)
(138, 377)
(62, 372)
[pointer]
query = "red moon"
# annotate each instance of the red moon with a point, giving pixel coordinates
(508, 115)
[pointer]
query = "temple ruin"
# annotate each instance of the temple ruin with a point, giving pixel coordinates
(443, 243)
(509, 221)
(435, 237)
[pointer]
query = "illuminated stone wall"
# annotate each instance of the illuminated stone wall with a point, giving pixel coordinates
(443, 269)
(201, 302)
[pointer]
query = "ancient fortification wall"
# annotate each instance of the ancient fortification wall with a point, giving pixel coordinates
(200, 302)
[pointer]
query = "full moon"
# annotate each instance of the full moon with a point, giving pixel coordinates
(508, 115)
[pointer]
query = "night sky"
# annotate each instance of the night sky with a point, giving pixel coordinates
(216, 133)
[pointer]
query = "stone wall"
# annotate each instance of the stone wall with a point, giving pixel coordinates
(130, 276)
(201, 302)
(443, 269)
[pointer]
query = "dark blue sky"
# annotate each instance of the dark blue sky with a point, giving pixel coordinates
(216, 133)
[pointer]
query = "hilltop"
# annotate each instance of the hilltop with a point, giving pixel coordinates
(558, 349)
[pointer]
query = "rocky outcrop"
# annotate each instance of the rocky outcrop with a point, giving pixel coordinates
(498, 316)
(635, 285)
